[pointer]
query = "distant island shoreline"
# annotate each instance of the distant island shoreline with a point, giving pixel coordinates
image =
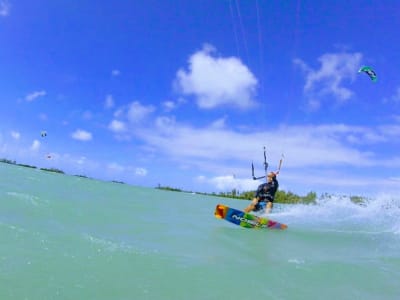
(280, 197)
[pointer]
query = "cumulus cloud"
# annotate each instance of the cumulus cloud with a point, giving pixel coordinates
(15, 135)
(134, 112)
(117, 126)
(43, 117)
(318, 151)
(34, 95)
(115, 73)
(129, 118)
(219, 123)
(336, 69)
(81, 160)
(35, 145)
(169, 105)
(165, 124)
(216, 81)
(115, 167)
(140, 172)
(81, 135)
(306, 146)
(395, 98)
(87, 115)
(172, 105)
(138, 112)
(389, 132)
(229, 182)
(4, 8)
(109, 102)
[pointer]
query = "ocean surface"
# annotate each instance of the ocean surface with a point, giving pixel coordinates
(66, 237)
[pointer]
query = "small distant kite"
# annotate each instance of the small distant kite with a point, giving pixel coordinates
(43, 133)
(369, 71)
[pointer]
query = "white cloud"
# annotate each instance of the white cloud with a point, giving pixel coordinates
(140, 171)
(87, 115)
(117, 126)
(389, 132)
(169, 105)
(165, 124)
(229, 182)
(15, 135)
(34, 95)
(4, 8)
(216, 81)
(138, 112)
(81, 135)
(394, 98)
(336, 69)
(220, 123)
(129, 118)
(81, 160)
(172, 105)
(115, 167)
(109, 102)
(43, 117)
(77, 164)
(306, 146)
(115, 73)
(35, 145)
(314, 156)
(119, 113)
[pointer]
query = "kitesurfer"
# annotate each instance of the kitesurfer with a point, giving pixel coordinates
(265, 195)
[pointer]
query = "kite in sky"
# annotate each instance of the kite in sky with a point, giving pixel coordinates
(368, 70)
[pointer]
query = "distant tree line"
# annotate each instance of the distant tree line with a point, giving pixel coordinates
(167, 188)
(286, 197)
(13, 162)
(280, 196)
(54, 170)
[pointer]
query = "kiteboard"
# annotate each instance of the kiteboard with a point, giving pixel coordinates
(246, 220)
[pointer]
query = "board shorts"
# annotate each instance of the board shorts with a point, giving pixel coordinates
(262, 204)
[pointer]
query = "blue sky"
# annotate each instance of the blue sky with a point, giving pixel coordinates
(187, 93)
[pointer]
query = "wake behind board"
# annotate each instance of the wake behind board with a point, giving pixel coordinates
(243, 219)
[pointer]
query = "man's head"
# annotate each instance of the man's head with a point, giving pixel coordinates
(271, 176)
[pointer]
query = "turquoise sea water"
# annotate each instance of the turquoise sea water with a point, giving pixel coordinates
(66, 237)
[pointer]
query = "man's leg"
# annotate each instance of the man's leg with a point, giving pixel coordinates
(269, 207)
(251, 206)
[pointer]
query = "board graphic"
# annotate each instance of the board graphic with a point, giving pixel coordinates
(246, 220)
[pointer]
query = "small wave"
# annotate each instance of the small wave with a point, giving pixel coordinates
(107, 245)
(396, 229)
(296, 261)
(33, 178)
(30, 198)
(381, 213)
(13, 227)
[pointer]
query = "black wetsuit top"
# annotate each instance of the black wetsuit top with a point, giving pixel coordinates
(266, 191)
